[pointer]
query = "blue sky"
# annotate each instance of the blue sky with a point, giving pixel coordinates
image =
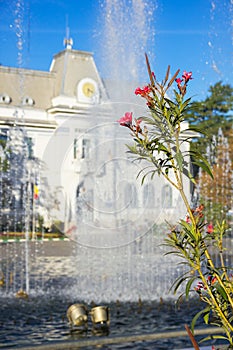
(193, 35)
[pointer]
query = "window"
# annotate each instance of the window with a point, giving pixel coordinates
(166, 196)
(131, 198)
(75, 148)
(5, 99)
(28, 101)
(149, 196)
(85, 148)
(29, 144)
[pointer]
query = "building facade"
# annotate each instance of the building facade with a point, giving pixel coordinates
(76, 156)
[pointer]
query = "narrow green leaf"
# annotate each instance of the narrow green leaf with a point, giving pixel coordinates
(163, 148)
(210, 337)
(189, 175)
(195, 318)
(186, 102)
(196, 130)
(202, 161)
(204, 167)
(206, 318)
(188, 286)
(221, 291)
(179, 283)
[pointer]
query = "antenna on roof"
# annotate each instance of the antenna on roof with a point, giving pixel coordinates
(68, 42)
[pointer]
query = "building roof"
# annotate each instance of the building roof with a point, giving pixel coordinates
(36, 89)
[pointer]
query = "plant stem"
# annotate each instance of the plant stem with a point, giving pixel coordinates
(193, 340)
(218, 277)
(225, 322)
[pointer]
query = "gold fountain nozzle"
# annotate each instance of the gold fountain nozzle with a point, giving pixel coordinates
(2, 280)
(77, 315)
(100, 315)
(21, 294)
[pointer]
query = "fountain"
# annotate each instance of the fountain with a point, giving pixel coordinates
(113, 254)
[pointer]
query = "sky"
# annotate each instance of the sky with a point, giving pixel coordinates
(191, 35)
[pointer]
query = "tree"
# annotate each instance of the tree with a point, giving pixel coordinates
(211, 114)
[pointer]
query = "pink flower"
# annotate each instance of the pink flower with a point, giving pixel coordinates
(126, 120)
(212, 279)
(210, 228)
(143, 92)
(187, 76)
(199, 286)
(179, 81)
(188, 220)
(180, 87)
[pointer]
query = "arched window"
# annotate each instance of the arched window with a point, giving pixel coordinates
(131, 197)
(75, 149)
(166, 196)
(149, 196)
(85, 148)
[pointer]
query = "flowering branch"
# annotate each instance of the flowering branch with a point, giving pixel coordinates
(162, 139)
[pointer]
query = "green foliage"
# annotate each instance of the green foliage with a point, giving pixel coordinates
(211, 114)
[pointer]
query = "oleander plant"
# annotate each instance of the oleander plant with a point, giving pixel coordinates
(158, 140)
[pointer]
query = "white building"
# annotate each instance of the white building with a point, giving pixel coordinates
(71, 127)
